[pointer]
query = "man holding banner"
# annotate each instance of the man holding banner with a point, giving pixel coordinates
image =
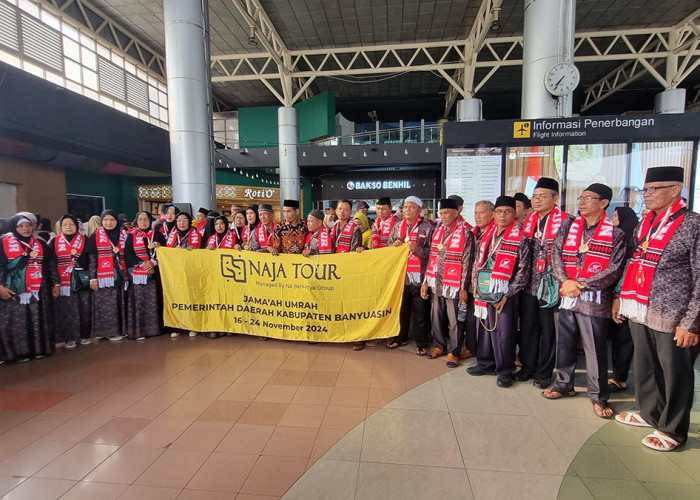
(262, 240)
(290, 235)
(383, 226)
(318, 240)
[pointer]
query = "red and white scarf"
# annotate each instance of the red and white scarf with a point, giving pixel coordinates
(551, 228)
(413, 267)
(106, 257)
(596, 260)
(228, 240)
(142, 240)
(636, 284)
(14, 247)
(381, 230)
(323, 238)
(193, 239)
(453, 244)
(344, 239)
(506, 255)
(165, 231)
(201, 227)
(67, 254)
(263, 236)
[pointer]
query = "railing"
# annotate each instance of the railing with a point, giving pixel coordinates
(429, 133)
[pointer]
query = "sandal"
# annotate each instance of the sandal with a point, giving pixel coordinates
(615, 386)
(392, 345)
(600, 411)
(358, 346)
(452, 361)
(633, 418)
(421, 351)
(553, 393)
(435, 352)
(667, 442)
(465, 354)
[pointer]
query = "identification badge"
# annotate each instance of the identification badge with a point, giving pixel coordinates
(73, 251)
(583, 248)
(115, 249)
(33, 253)
(440, 246)
(541, 265)
(407, 239)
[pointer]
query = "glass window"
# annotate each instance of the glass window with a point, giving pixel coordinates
(90, 79)
(103, 51)
(50, 20)
(526, 164)
(33, 69)
(75, 87)
(118, 60)
(72, 70)
(91, 94)
(29, 7)
(70, 32)
(119, 106)
(162, 98)
(10, 59)
(87, 41)
(130, 67)
(54, 78)
(603, 163)
(89, 58)
(71, 49)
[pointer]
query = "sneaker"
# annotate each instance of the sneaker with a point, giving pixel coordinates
(140, 338)
(193, 334)
(504, 381)
(85, 341)
(174, 335)
(478, 370)
(115, 338)
(521, 376)
(70, 345)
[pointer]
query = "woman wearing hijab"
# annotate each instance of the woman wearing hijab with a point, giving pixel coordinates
(73, 306)
(93, 223)
(253, 220)
(26, 279)
(144, 296)
(366, 231)
(108, 278)
(167, 226)
(184, 235)
(222, 237)
(619, 331)
(239, 225)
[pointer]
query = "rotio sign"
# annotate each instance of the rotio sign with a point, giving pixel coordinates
(330, 298)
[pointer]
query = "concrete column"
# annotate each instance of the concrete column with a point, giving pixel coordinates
(548, 38)
(288, 132)
(189, 101)
(469, 110)
(670, 101)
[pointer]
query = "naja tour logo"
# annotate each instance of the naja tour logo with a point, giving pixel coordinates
(232, 267)
(351, 185)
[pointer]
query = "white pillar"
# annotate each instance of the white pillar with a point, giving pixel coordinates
(189, 101)
(288, 133)
(469, 110)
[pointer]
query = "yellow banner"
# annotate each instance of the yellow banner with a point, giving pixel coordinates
(327, 298)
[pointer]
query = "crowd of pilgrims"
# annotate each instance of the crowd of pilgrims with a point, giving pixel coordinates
(489, 291)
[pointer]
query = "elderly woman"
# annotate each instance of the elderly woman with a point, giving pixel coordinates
(93, 223)
(26, 277)
(108, 278)
(222, 237)
(144, 295)
(73, 306)
(239, 225)
(253, 221)
(167, 226)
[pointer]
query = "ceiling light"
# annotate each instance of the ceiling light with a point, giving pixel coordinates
(251, 36)
(385, 154)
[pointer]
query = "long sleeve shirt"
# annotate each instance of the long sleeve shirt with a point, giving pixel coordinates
(540, 250)
(467, 262)
(521, 272)
(422, 251)
(604, 281)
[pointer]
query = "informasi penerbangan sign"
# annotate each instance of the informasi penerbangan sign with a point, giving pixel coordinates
(327, 298)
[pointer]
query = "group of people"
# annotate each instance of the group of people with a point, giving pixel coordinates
(529, 284)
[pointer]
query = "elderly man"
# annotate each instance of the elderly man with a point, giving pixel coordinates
(382, 227)
(361, 207)
(318, 240)
(483, 217)
(523, 208)
(290, 235)
(201, 218)
(448, 275)
(415, 232)
(661, 297)
(588, 256)
(263, 238)
(501, 271)
(346, 234)
(537, 332)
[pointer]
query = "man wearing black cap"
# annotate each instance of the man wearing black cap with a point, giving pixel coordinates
(201, 218)
(263, 235)
(449, 277)
(501, 272)
(381, 229)
(661, 297)
(537, 331)
(290, 234)
(318, 239)
(523, 208)
(346, 235)
(588, 256)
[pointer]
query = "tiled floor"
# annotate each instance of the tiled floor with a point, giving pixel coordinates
(238, 418)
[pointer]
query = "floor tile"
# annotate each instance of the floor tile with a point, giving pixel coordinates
(30, 400)
(381, 481)
(207, 390)
(77, 462)
(201, 436)
(312, 395)
(687, 458)
(8, 482)
(186, 410)
(117, 431)
(342, 417)
(349, 396)
(78, 403)
(572, 488)
(10, 419)
(117, 370)
(291, 442)
(39, 488)
(204, 495)
(223, 412)
(139, 492)
(672, 490)
(276, 394)
(174, 469)
(404, 442)
(352, 379)
(381, 397)
(492, 484)
(320, 379)
(570, 434)
(86, 490)
(427, 396)
(158, 434)
(480, 395)
(651, 466)
(273, 475)
(124, 465)
(616, 489)
(287, 377)
(246, 496)
(616, 434)
(33, 458)
(303, 415)
(223, 472)
(598, 461)
(325, 440)
(242, 391)
(327, 480)
(349, 447)
(263, 413)
(246, 439)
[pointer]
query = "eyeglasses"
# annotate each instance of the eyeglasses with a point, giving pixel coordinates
(540, 196)
(653, 189)
(503, 212)
(587, 198)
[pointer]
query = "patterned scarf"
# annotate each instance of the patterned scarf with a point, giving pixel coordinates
(14, 248)
(551, 228)
(452, 274)
(143, 252)
(596, 260)
(413, 266)
(107, 254)
(165, 230)
(344, 239)
(323, 238)
(264, 236)
(228, 240)
(193, 239)
(67, 254)
(636, 284)
(381, 230)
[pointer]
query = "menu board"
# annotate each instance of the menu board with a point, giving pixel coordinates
(475, 175)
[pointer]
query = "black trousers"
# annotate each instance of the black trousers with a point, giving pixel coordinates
(469, 326)
(663, 379)
(496, 349)
(622, 349)
(538, 339)
(414, 317)
(443, 312)
(593, 333)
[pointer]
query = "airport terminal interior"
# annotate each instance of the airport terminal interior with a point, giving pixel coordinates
(135, 104)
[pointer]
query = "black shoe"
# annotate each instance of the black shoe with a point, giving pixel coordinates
(542, 384)
(521, 376)
(478, 370)
(504, 381)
